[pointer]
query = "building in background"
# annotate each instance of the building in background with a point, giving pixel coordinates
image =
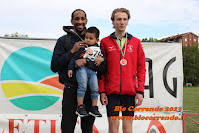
(186, 39)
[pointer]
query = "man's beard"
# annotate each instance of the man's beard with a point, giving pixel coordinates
(79, 31)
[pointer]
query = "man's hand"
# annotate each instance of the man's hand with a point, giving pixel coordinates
(80, 62)
(98, 61)
(103, 99)
(138, 99)
(77, 46)
(70, 73)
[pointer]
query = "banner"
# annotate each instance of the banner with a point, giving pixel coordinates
(30, 94)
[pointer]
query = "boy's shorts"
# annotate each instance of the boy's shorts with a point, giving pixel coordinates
(120, 100)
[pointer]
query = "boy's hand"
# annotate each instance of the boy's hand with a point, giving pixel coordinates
(98, 61)
(70, 73)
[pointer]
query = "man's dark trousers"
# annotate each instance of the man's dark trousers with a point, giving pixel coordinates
(69, 105)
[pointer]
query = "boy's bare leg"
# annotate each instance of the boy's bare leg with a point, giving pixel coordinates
(80, 101)
(94, 102)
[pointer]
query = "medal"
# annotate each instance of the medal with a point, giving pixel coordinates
(123, 62)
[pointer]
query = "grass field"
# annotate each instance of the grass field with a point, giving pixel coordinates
(191, 105)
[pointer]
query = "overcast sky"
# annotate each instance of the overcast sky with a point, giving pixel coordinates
(149, 18)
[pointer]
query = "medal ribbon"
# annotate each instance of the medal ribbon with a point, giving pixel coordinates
(120, 46)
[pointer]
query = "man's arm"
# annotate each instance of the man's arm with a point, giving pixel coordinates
(92, 64)
(103, 99)
(80, 62)
(138, 99)
(141, 71)
(71, 65)
(101, 81)
(101, 69)
(60, 58)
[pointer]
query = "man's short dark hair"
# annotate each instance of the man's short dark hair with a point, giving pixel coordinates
(72, 15)
(93, 30)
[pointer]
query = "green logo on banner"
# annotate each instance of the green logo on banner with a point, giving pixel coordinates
(27, 81)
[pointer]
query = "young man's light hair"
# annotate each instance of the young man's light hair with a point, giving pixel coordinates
(120, 10)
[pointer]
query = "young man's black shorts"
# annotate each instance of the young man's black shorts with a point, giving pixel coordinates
(120, 100)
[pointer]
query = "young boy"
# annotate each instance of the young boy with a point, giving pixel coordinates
(86, 74)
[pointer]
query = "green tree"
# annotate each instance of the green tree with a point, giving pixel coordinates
(150, 40)
(191, 64)
(16, 34)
